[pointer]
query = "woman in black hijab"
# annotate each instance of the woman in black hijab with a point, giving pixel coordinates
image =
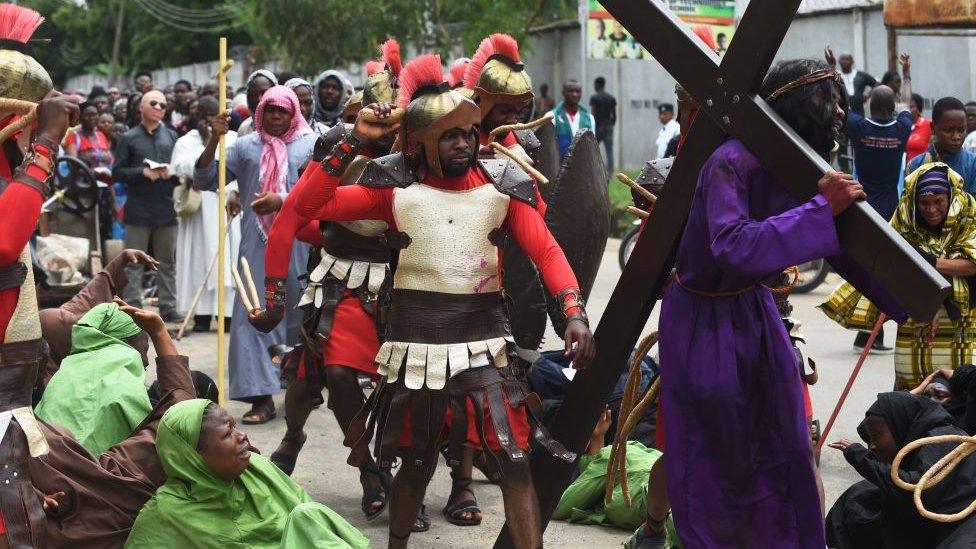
(876, 512)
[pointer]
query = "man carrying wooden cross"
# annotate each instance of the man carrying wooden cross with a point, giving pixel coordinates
(724, 351)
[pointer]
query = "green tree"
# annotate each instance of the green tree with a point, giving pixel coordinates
(82, 35)
(312, 34)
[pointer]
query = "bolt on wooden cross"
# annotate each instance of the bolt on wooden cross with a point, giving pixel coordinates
(726, 89)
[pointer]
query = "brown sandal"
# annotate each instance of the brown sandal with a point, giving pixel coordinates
(261, 412)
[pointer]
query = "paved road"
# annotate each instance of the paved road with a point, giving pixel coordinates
(323, 472)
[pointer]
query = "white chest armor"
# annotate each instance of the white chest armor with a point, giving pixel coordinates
(449, 250)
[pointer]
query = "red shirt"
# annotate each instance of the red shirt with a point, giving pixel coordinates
(918, 141)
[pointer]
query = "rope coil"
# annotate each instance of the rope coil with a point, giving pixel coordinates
(938, 472)
(633, 406)
(28, 111)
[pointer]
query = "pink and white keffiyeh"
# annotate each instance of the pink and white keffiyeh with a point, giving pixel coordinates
(273, 168)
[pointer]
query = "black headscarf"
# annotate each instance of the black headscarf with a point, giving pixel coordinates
(909, 417)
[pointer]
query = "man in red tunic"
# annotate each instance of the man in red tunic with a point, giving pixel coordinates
(347, 287)
(448, 349)
(22, 191)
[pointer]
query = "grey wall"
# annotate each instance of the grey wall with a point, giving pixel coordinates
(942, 65)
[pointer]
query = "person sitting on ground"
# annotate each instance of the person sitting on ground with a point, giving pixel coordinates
(954, 390)
(583, 502)
(949, 129)
(877, 513)
(91, 500)
(57, 322)
(219, 493)
(99, 393)
(938, 218)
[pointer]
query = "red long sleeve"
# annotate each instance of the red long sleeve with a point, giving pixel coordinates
(317, 196)
(533, 236)
(310, 234)
(21, 207)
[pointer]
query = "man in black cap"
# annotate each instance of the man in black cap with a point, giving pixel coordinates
(669, 128)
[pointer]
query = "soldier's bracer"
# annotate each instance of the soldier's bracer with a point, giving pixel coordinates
(274, 310)
(37, 167)
(342, 154)
(572, 305)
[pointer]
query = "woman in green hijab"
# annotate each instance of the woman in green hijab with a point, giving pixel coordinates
(99, 393)
(219, 494)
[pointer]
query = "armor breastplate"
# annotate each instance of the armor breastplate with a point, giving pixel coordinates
(450, 251)
(25, 324)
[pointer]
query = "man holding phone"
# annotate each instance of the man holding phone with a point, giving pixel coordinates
(142, 163)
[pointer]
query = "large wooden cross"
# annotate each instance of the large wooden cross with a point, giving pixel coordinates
(726, 89)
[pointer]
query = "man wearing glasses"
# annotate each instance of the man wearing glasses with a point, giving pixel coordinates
(142, 163)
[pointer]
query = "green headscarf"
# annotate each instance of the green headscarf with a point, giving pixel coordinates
(99, 393)
(262, 508)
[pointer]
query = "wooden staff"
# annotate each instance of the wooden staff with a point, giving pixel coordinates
(547, 118)
(396, 115)
(225, 65)
(249, 279)
(648, 195)
(241, 289)
(633, 210)
(521, 162)
(199, 292)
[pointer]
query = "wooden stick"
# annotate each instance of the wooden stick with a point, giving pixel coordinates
(521, 162)
(638, 212)
(545, 119)
(396, 115)
(199, 292)
(255, 299)
(222, 224)
(648, 195)
(196, 297)
(241, 289)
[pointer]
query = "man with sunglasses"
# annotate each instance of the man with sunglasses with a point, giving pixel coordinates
(150, 220)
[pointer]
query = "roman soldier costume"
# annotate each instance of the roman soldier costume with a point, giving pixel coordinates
(497, 76)
(448, 352)
(348, 278)
(22, 191)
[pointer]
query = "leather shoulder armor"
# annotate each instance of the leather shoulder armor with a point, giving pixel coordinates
(529, 142)
(327, 141)
(510, 179)
(388, 171)
(355, 170)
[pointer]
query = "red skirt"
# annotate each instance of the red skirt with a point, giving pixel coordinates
(353, 342)
(518, 422)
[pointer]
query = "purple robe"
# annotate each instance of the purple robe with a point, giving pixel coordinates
(738, 456)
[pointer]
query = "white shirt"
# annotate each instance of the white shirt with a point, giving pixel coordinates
(667, 133)
(848, 78)
(970, 143)
(574, 120)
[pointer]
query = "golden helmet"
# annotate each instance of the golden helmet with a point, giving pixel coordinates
(497, 76)
(432, 108)
(21, 76)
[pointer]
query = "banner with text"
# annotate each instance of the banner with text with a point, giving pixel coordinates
(608, 39)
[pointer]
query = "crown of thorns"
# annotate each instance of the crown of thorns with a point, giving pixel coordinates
(811, 78)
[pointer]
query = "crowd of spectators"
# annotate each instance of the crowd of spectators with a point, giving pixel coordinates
(127, 137)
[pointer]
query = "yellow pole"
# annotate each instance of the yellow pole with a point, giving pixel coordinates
(225, 65)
